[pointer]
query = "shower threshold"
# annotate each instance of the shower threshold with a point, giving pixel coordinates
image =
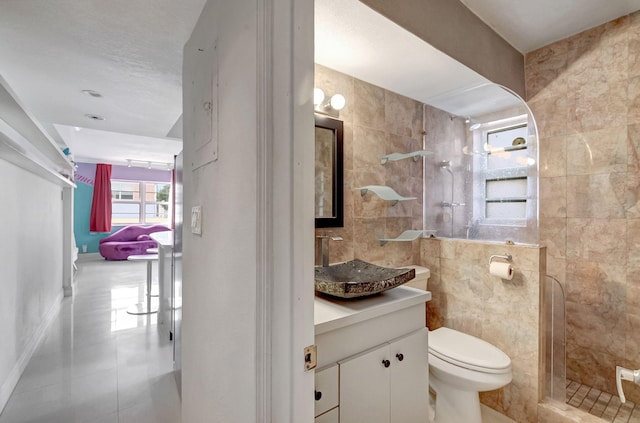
(601, 404)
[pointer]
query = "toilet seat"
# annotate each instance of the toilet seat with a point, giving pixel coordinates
(467, 351)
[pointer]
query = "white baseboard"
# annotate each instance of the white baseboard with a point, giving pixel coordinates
(89, 257)
(10, 383)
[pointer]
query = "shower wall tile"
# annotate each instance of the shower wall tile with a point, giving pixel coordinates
(552, 114)
(611, 331)
(633, 116)
(593, 367)
(604, 107)
(403, 115)
(549, 186)
(603, 151)
(634, 45)
(633, 291)
(368, 147)
(633, 243)
(597, 196)
(600, 68)
(632, 346)
(632, 203)
(553, 157)
(368, 105)
(557, 268)
(633, 148)
(347, 147)
(597, 239)
(597, 284)
(545, 71)
(553, 235)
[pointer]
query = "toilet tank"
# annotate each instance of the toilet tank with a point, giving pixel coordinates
(422, 275)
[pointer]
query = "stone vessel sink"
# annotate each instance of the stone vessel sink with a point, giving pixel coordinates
(357, 278)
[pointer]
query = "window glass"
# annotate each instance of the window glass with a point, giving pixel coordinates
(122, 190)
(138, 202)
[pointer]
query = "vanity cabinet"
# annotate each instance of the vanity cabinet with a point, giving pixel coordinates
(388, 383)
(355, 341)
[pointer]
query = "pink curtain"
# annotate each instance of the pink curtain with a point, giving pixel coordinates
(100, 220)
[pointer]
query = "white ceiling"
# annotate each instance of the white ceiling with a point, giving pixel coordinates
(531, 24)
(131, 52)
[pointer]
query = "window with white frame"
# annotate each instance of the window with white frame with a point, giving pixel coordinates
(139, 202)
(504, 179)
(506, 174)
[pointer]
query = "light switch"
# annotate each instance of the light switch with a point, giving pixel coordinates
(196, 220)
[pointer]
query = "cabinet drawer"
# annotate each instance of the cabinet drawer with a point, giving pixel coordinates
(326, 389)
(328, 417)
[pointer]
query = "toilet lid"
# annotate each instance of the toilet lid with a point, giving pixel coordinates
(467, 351)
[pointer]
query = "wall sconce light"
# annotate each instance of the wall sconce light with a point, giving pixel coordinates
(328, 105)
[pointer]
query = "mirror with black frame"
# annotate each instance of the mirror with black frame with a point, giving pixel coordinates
(328, 172)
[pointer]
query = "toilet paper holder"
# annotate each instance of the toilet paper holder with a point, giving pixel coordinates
(505, 256)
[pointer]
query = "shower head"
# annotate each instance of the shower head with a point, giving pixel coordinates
(445, 164)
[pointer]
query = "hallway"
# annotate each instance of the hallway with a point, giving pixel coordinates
(98, 364)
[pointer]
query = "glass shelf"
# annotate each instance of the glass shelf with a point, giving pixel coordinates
(399, 156)
(406, 236)
(386, 193)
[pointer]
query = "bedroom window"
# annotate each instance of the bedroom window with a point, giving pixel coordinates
(139, 202)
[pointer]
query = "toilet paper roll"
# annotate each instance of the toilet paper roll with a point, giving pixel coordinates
(501, 270)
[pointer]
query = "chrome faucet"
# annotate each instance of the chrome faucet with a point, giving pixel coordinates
(322, 249)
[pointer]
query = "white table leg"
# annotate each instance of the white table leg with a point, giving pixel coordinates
(145, 307)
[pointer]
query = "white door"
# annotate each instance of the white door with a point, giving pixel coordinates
(410, 378)
(364, 387)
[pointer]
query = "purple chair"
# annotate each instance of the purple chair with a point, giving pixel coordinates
(128, 241)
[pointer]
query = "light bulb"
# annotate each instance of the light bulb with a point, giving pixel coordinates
(338, 101)
(318, 96)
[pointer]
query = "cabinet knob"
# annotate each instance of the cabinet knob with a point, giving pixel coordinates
(400, 356)
(386, 363)
(318, 395)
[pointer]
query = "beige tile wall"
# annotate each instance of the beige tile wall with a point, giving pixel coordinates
(585, 94)
(505, 313)
(376, 122)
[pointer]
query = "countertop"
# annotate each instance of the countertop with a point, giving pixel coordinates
(331, 314)
(164, 238)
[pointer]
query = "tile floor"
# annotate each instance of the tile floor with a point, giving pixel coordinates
(98, 364)
(601, 404)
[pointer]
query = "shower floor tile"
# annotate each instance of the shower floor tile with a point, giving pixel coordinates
(601, 404)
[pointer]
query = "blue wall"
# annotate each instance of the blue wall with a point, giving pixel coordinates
(83, 197)
(81, 214)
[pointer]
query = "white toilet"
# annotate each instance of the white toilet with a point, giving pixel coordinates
(460, 366)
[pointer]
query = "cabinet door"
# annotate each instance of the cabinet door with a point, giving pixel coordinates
(410, 378)
(326, 389)
(364, 387)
